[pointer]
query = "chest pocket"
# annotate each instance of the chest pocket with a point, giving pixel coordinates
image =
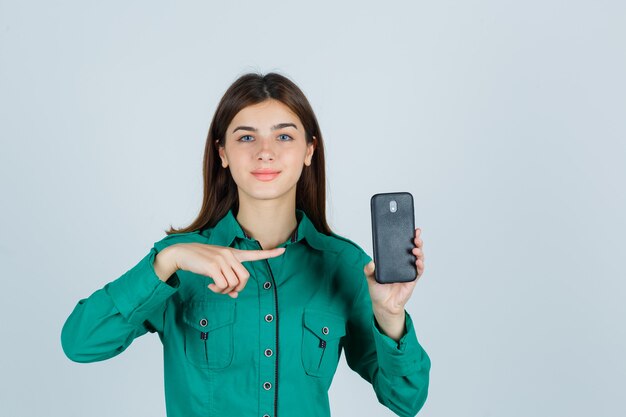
(209, 333)
(322, 331)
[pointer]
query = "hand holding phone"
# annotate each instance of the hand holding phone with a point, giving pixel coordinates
(393, 231)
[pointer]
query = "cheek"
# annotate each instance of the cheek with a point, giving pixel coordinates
(294, 161)
(237, 158)
(295, 156)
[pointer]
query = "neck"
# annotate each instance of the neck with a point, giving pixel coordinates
(271, 222)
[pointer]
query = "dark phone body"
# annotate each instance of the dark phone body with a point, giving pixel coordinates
(393, 235)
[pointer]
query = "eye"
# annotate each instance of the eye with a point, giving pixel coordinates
(243, 138)
(285, 137)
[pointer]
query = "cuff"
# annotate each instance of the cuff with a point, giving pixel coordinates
(139, 290)
(399, 358)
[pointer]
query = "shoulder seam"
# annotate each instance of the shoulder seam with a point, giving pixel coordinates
(345, 239)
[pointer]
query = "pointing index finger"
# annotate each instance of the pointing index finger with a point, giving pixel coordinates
(244, 255)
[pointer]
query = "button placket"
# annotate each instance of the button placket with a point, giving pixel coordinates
(267, 339)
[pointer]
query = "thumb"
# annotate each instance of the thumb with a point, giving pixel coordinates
(369, 268)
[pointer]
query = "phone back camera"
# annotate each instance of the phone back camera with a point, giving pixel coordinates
(393, 206)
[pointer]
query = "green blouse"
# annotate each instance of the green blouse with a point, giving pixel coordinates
(273, 350)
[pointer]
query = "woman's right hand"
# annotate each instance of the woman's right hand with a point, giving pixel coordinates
(221, 263)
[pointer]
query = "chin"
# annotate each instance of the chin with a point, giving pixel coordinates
(266, 191)
(267, 195)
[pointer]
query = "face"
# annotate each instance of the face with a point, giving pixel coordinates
(265, 149)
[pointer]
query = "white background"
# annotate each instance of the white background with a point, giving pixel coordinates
(504, 119)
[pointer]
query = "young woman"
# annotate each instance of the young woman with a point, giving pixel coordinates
(256, 299)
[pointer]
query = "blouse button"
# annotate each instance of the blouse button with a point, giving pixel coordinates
(267, 285)
(267, 386)
(203, 322)
(268, 352)
(269, 318)
(325, 330)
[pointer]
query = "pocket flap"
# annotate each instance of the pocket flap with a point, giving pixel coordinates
(326, 325)
(209, 316)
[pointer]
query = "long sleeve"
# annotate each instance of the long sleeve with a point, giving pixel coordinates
(105, 324)
(398, 371)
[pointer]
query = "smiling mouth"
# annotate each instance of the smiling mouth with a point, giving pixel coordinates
(265, 175)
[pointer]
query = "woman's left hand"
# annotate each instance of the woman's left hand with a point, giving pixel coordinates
(390, 299)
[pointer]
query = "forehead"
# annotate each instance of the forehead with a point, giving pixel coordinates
(265, 114)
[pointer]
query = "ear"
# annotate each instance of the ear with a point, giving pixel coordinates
(221, 153)
(310, 149)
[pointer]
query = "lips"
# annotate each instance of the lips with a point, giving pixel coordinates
(265, 174)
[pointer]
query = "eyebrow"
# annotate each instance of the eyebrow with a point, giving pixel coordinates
(275, 127)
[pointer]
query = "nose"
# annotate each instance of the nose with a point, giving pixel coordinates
(266, 153)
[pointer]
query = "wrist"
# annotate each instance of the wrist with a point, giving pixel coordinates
(391, 324)
(385, 311)
(165, 264)
(384, 316)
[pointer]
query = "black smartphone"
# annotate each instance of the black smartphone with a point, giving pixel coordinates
(393, 232)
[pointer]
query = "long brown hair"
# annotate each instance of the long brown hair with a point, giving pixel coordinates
(220, 190)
